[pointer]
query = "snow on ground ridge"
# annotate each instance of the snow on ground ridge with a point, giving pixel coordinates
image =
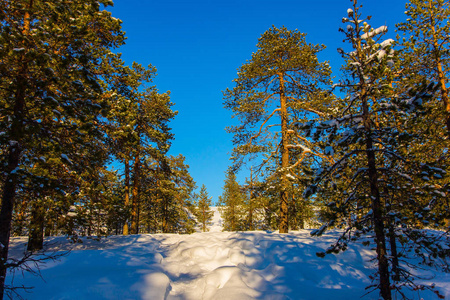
(211, 265)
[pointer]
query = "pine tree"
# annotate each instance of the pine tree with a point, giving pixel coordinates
(374, 176)
(204, 213)
(424, 59)
(125, 85)
(50, 89)
(282, 78)
(232, 204)
(425, 47)
(166, 194)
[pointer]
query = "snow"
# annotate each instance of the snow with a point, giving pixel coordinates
(350, 12)
(217, 221)
(381, 29)
(290, 176)
(66, 158)
(387, 43)
(210, 265)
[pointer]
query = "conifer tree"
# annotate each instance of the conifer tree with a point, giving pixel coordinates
(166, 194)
(50, 87)
(125, 83)
(425, 47)
(282, 78)
(232, 204)
(374, 177)
(424, 59)
(204, 213)
(181, 206)
(139, 129)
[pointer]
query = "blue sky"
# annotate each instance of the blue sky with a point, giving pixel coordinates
(197, 47)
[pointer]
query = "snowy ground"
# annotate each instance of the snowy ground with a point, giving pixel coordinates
(216, 225)
(212, 265)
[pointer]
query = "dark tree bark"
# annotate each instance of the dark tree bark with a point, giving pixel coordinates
(135, 200)
(14, 154)
(36, 233)
(127, 194)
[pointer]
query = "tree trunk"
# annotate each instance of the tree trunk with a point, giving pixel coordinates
(127, 194)
(250, 202)
(49, 225)
(15, 151)
(21, 217)
(204, 218)
(440, 73)
(165, 223)
(378, 223)
(36, 233)
(135, 200)
(383, 264)
(394, 253)
(294, 220)
(284, 197)
(233, 218)
(9, 192)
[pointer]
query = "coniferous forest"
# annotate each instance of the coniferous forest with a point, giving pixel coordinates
(365, 154)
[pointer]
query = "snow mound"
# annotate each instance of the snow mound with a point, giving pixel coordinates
(217, 221)
(211, 265)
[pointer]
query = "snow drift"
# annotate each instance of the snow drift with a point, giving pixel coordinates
(212, 265)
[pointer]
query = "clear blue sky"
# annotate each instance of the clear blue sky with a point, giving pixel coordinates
(197, 47)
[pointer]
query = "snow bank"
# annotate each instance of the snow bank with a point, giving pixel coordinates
(211, 265)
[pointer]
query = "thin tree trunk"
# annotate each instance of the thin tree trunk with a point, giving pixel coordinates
(233, 218)
(377, 216)
(250, 202)
(36, 233)
(49, 225)
(127, 194)
(135, 200)
(284, 197)
(165, 223)
(294, 220)
(204, 218)
(21, 217)
(394, 253)
(383, 264)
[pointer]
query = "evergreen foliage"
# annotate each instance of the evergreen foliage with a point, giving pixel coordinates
(232, 204)
(203, 212)
(52, 103)
(283, 78)
(425, 56)
(371, 159)
(376, 179)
